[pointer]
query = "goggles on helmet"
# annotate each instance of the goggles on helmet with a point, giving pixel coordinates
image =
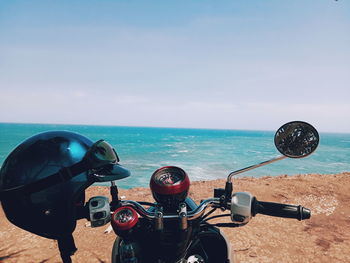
(100, 154)
(101, 158)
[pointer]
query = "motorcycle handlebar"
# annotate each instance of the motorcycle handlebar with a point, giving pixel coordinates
(211, 202)
(258, 207)
(281, 210)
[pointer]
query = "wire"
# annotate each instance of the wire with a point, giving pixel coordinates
(147, 203)
(209, 213)
(227, 225)
(210, 218)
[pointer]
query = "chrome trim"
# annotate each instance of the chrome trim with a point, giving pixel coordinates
(158, 223)
(241, 207)
(211, 202)
(183, 216)
(229, 178)
(191, 204)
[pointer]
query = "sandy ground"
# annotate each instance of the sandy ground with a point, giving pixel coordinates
(323, 238)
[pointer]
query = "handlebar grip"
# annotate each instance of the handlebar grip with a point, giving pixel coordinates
(282, 210)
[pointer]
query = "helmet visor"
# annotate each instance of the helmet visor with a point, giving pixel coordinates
(109, 173)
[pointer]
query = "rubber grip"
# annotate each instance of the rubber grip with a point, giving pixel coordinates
(282, 210)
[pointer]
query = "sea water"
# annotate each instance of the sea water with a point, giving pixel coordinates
(204, 154)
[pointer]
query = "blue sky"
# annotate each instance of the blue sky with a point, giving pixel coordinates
(203, 64)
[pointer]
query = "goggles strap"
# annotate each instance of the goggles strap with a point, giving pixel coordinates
(67, 248)
(61, 176)
(65, 174)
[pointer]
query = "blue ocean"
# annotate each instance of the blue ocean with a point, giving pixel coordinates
(204, 154)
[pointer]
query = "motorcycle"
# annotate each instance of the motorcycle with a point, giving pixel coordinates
(175, 229)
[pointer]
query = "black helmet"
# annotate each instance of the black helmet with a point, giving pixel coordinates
(43, 180)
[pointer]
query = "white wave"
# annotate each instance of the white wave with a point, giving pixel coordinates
(200, 173)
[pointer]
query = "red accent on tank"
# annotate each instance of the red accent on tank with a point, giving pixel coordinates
(117, 225)
(170, 189)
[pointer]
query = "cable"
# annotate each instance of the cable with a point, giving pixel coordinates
(210, 218)
(209, 213)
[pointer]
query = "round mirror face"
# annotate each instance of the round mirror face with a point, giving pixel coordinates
(296, 139)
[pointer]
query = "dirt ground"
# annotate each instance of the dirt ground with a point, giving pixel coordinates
(323, 238)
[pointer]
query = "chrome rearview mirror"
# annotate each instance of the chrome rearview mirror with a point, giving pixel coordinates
(296, 139)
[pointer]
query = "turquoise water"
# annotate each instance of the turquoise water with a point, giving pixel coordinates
(204, 154)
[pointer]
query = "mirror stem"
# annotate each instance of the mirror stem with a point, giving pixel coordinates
(229, 178)
(114, 193)
(228, 191)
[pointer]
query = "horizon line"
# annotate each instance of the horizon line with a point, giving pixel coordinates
(160, 127)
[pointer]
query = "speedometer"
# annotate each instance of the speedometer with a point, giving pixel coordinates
(168, 178)
(170, 185)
